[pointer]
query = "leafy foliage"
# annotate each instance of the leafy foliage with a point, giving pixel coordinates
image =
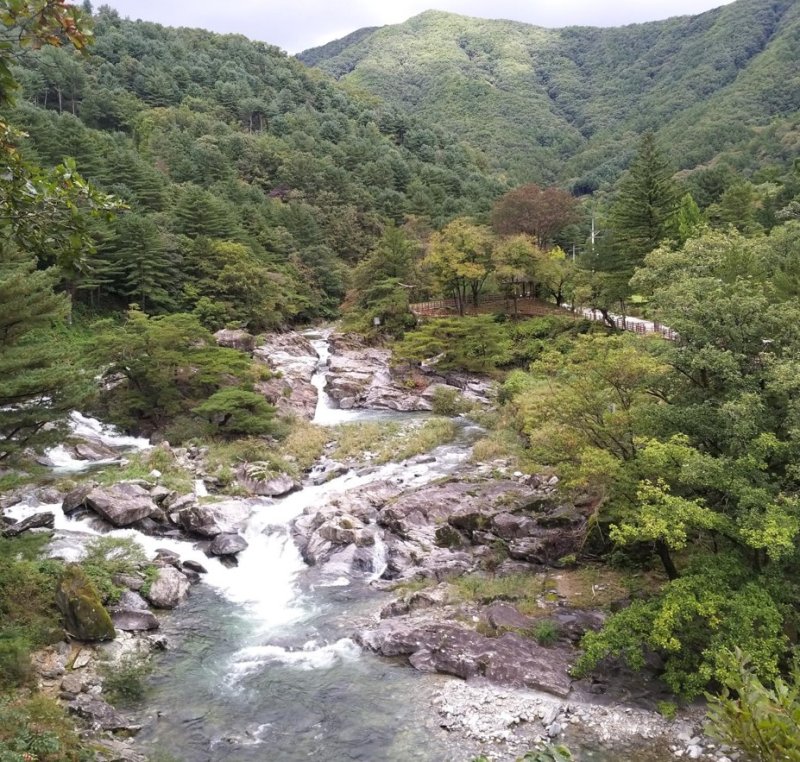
(760, 720)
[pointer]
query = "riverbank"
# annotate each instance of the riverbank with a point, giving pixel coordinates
(264, 654)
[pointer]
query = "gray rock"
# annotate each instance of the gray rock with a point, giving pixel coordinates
(228, 545)
(131, 600)
(76, 498)
(101, 715)
(235, 339)
(45, 520)
(134, 620)
(504, 617)
(508, 660)
(160, 494)
(73, 682)
(121, 505)
(130, 581)
(199, 520)
(169, 588)
(694, 752)
(194, 566)
(554, 730)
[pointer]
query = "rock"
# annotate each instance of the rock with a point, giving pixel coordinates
(180, 503)
(194, 566)
(37, 521)
(504, 617)
(160, 494)
(508, 660)
(134, 620)
(94, 451)
(228, 545)
(554, 730)
(235, 339)
(131, 581)
(85, 618)
(169, 588)
(694, 752)
(48, 495)
(121, 505)
(279, 485)
(73, 682)
(199, 520)
(76, 498)
(101, 715)
(131, 600)
(83, 659)
(294, 358)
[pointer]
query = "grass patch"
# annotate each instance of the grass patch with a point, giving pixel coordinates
(140, 464)
(545, 632)
(305, 443)
(599, 587)
(391, 440)
(28, 614)
(37, 728)
(523, 590)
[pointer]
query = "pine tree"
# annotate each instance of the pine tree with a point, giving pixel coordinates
(643, 213)
(38, 383)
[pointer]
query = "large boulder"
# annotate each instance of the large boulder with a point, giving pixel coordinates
(85, 618)
(449, 649)
(168, 589)
(227, 545)
(101, 715)
(199, 520)
(123, 504)
(235, 339)
(272, 486)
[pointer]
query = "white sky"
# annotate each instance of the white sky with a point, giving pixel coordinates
(296, 25)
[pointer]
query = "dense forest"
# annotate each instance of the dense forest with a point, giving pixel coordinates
(163, 184)
(566, 105)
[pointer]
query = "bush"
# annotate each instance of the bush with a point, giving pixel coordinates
(38, 729)
(545, 632)
(107, 556)
(449, 401)
(761, 721)
(124, 683)
(15, 662)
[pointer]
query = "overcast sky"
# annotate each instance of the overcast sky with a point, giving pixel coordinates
(295, 25)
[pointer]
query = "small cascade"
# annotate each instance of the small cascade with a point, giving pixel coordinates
(380, 560)
(200, 488)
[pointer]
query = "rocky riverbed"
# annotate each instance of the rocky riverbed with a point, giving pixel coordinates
(425, 609)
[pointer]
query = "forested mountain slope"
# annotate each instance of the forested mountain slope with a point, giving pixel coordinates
(567, 104)
(253, 182)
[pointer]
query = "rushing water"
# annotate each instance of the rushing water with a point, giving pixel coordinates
(261, 665)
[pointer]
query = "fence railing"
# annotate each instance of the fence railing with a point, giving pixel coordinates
(530, 307)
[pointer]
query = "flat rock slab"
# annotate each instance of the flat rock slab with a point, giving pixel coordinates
(134, 620)
(121, 505)
(508, 660)
(101, 715)
(45, 520)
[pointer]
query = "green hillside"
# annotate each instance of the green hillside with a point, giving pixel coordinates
(566, 105)
(253, 182)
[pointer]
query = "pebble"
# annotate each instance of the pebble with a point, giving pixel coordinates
(694, 752)
(554, 730)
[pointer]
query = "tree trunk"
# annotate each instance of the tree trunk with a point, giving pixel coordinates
(666, 559)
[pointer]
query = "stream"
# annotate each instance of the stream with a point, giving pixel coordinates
(260, 664)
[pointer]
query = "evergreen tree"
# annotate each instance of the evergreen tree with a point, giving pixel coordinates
(644, 209)
(38, 383)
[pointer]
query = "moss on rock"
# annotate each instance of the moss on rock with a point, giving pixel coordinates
(85, 617)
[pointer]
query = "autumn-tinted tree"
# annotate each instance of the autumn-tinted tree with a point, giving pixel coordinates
(541, 213)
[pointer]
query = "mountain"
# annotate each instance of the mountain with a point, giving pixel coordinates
(566, 105)
(253, 183)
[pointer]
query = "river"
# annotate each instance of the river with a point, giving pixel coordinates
(260, 664)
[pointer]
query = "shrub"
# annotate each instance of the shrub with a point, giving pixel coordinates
(124, 683)
(761, 721)
(545, 632)
(449, 401)
(38, 729)
(107, 556)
